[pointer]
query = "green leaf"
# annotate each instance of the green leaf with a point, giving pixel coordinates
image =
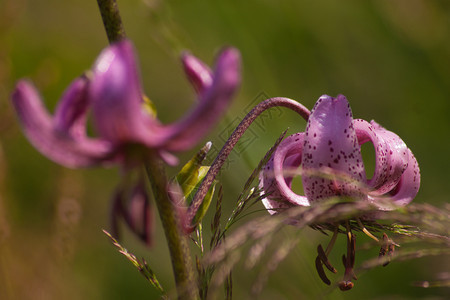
(190, 178)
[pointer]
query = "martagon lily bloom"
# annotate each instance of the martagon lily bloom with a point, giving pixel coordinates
(120, 115)
(126, 126)
(331, 144)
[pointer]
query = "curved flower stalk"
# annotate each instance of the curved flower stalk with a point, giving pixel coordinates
(331, 144)
(126, 130)
(329, 154)
(197, 201)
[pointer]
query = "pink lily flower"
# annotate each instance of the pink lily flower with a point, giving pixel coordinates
(124, 126)
(329, 155)
(331, 144)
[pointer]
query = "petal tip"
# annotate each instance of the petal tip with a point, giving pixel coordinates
(230, 55)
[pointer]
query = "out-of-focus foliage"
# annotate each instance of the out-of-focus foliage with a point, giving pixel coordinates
(390, 58)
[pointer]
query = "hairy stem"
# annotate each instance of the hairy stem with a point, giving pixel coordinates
(229, 145)
(185, 279)
(111, 20)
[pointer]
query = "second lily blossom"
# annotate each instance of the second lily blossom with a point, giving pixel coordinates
(331, 144)
(329, 154)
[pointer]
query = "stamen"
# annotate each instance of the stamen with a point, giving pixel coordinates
(352, 256)
(321, 271)
(323, 257)
(349, 232)
(367, 232)
(352, 253)
(387, 247)
(332, 241)
(390, 253)
(384, 247)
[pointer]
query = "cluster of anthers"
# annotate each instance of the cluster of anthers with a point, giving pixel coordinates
(387, 250)
(328, 157)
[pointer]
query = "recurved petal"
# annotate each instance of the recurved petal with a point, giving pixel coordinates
(331, 142)
(59, 146)
(275, 180)
(273, 201)
(406, 189)
(409, 183)
(187, 132)
(198, 73)
(70, 114)
(391, 155)
(287, 158)
(116, 97)
(398, 152)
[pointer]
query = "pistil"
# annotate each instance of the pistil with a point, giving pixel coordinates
(322, 258)
(348, 261)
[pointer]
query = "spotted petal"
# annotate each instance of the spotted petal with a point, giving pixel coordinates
(405, 190)
(391, 155)
(274, 181)
(331, 143)
(408, 186)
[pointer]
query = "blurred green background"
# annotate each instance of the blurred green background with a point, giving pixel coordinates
(390, 58)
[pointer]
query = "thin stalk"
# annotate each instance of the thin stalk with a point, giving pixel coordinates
(367, 232)
(229, 145)
(180, 255)
(332, 242)
(111, 20)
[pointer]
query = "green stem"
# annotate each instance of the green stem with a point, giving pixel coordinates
(177, 242)
(111, 20)
(185, 279)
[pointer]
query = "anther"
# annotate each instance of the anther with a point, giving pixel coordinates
(387, 247)
(323, 257)
(367, 232)
(321, 271)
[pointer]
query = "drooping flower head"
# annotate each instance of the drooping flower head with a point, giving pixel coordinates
(127, 129)
(331, 144)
